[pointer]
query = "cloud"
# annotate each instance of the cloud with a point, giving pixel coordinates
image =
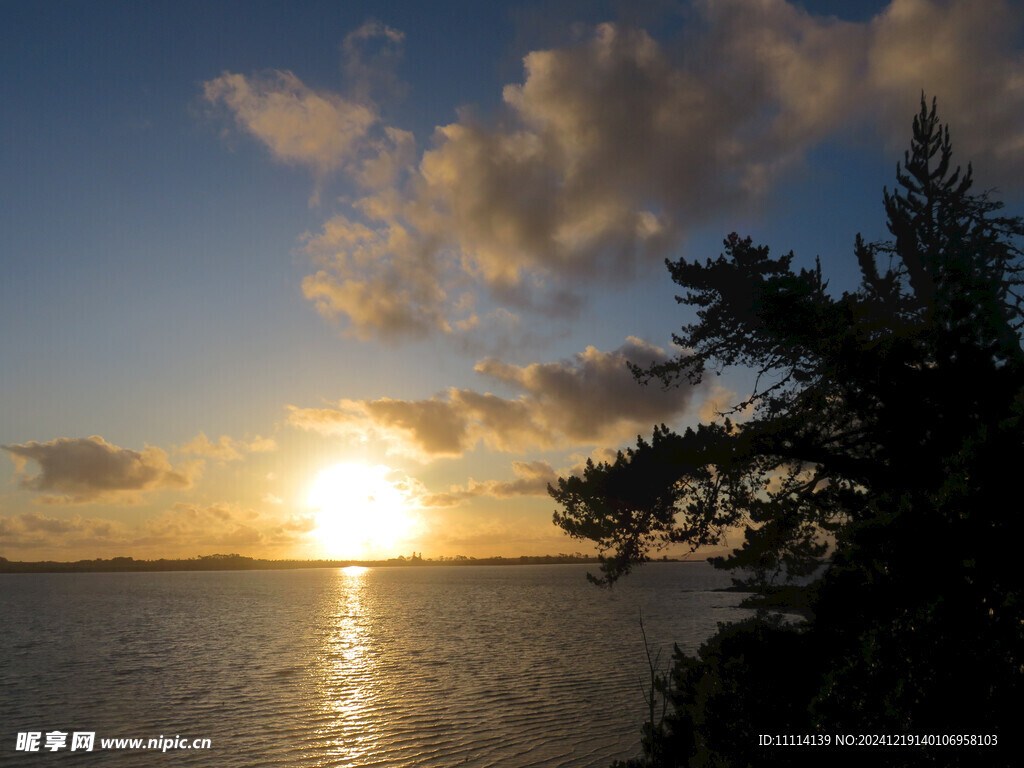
(260, 444)
(608, 147)
(822, 75)
(391, 156)
(185, 523)
(384, 282)
(33, 529)
(531, 479)
(184, 528)
(372, 53)
(82, 470)
(227, 448)
(963, 53)
(225, 524)
(526, 212)
(432, 428)
(595, 394)
(319, 130)
(591, 398)
(612, 148)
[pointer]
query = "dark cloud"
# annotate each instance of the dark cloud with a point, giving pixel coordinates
(79, 470)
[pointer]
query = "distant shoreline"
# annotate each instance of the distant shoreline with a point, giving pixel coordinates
(242, 563)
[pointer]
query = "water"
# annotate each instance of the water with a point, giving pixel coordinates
(432, 666)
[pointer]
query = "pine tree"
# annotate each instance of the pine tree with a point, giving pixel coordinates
(881, 455)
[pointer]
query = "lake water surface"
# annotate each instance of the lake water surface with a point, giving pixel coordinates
(507, 666)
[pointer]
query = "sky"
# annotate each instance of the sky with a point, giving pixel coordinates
(353, 280)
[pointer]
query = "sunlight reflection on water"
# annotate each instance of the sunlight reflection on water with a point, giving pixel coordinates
(345, 688)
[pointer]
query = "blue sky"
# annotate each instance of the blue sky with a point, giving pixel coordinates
(245, 243)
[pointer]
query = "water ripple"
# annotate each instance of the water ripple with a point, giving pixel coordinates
(432, 667)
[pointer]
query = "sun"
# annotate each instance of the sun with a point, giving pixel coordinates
(361, 513)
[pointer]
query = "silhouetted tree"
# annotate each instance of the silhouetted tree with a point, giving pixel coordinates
(884, 442)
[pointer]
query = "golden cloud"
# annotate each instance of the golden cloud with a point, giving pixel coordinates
(227, 448)
(589, 399)
(183, 528)
(531, 479)
(612, 148)
(319, 130)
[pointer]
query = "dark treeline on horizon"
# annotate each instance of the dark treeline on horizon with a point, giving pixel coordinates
(235, 562)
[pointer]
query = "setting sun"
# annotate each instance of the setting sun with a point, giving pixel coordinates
(360, 510)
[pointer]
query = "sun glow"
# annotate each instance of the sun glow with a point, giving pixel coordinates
(361, 512)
